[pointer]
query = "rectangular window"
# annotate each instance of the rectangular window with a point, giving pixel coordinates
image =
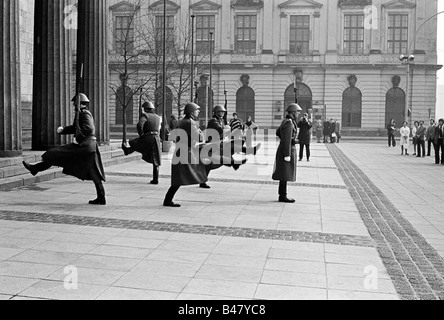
(170, 44)
(353, 34)
(398, 33)
(124, 34)
(246, 34)
(300, 34)
(204, 25)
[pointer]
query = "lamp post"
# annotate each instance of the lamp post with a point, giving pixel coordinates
(164, 74)
(210, 85)
(408, 61)
(192, 58)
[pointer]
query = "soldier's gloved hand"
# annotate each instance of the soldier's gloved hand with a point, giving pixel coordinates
(287, 159)
(60, 130)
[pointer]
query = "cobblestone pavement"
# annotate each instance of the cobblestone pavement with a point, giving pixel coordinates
(234, 241)
(416, 268)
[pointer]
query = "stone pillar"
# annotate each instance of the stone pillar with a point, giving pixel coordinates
(52, 94)
(268, 27)
(92, 52)
(10, 94)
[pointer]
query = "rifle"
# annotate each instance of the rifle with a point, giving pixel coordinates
(77, 115)
(140, 104)
(226, 106)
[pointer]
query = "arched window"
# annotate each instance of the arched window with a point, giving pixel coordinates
(246, 103)
(305, 97)
(395, 103)
(352, 108)
(129, 105)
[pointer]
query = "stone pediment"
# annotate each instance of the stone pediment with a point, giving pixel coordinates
(171, 7)
(298, 4)
(123, 6)
(205, 5)
(247, 4)
(399, 4)
(354, 3)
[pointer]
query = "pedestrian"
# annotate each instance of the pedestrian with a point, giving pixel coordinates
(430, 137)
(187, 170)
(174, 122)
(237, 127)
(391, 130)
(331, 130)
(415, 137)
(148, 143)
(439, 142)
(304, 136)
(421, 134)
(217, 123)
(80, 159)
(286, 161)
(250, 129)
(338, 130)
(319, 128)
(326, 130)
(405, 138)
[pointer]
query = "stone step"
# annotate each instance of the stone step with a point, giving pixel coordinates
(15, 175)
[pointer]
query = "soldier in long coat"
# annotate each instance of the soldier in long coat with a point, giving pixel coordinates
(148, 144)
(81, 158)
(187, 170)
(217, 123)
(286, 161)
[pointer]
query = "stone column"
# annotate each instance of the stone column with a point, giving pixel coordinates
(268, 27)
(92, 52)
(52, 94)
(10, 94)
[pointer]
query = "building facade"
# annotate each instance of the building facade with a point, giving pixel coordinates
(341, 57)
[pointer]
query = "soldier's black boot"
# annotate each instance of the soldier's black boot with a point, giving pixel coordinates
(168, 202)
(126, 150)
(155, 175)
(204, 186)
(39, 167)
(101, 200)
(283, 193)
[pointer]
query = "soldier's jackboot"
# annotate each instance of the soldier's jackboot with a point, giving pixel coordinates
(155, 175)
(39, 167)
(101, 200)
(127, 150)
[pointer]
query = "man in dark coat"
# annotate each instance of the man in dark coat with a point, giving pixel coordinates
(304, 137)
(187, 168)
(421, 133)
(81, 158)
(217, 125)
(439, 142)
(174, 122)
(148, 144)
(286, 161)
(326, 130)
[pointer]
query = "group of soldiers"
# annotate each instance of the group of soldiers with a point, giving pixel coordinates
(195, 156)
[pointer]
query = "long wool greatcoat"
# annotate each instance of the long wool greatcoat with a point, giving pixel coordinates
(148, 144)
(286, 171)
(193, 171)
(78, 160)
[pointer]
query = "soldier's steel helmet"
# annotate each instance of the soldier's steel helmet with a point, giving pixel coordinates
(191, 107)
(219, 109)
(83, 98)
(148, 106)
(294, 107)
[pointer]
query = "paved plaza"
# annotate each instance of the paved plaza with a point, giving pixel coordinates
(367, 224)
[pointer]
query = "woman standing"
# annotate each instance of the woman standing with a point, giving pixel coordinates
(250, 130)
(415, 137)
(391, 130)
(405, 137)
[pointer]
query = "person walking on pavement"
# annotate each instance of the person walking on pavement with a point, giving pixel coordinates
(187, 169)
(439, 142)
(415, 137)
(250, 130)
(421, 134)
(326, 130)
(391, 130)
(331, 130)
(319, 127)
(148, 143)
(304, 137)
(286, 161)
(80, 159)
(217, 123)
(430, 137)
(405, 138)
(338, 130)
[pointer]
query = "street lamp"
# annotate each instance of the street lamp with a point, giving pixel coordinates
(192, 57)
(210, 86)
(164, 74)
(408, 60)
